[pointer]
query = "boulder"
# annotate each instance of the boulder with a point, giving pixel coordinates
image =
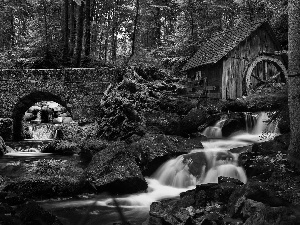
(228, 202)
(258, 203)
(203, 205)
(33, 213)
(179, 106)
(9, 149)
(233, 125)
(279, 144)
(89, 147)
(57, 120)
(61, 147)
(3, 149)
(154, 149)
(262, 159)
(45, 178)
(63, 115)
(238, 105)
(67, 119)
(258, 102)
(115, 170)
(197, 162)
(190, 123)
(162, 123)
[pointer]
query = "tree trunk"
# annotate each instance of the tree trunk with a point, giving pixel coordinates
(137, 7)
(294, 81)
(113, 33)
(87, 48)
(114, 45)
(72, 28)
(157, 27)
(12, 29)
(65, 31)
(94, 29)
(79, 34)
(46, 28)
(106, 41)
(106, 48)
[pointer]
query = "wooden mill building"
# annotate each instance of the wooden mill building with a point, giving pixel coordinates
(236, 61)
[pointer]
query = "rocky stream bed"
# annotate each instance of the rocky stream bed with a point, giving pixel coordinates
(140, 126)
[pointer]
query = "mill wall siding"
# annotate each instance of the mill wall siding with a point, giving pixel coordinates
(237, 61)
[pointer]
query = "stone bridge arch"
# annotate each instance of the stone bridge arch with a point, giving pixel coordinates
(276, 62)
(26, 102)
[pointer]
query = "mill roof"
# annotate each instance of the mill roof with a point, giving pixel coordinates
(223, 42)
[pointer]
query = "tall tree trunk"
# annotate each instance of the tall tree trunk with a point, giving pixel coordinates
(133, 43)
(114, 45)
(79, 34)
(106, 48)
(12, 29)
(99, 47)
(113, 33)
(94, 29)
(87, 48)
(46, 29)
(65, 31)
(72, 28)
(294, 80)
(106, 40)
(157, 27)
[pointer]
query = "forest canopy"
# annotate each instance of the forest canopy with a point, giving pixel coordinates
(90, 33)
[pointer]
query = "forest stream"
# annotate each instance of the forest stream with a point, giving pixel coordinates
(173, 177)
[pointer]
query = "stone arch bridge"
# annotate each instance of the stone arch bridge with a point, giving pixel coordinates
(76, 89)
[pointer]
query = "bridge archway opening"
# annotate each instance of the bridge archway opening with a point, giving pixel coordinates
(264, 69)
(26, 105)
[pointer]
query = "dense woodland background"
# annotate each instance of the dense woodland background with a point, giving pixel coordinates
(92, 33)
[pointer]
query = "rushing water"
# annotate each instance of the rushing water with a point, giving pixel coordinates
(214, 131)
(173, 177)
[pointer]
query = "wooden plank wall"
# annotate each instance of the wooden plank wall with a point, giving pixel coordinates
(236, 62)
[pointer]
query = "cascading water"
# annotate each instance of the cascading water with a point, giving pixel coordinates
(251, 120)
(185, 172)
(214, 131)
(259, 125)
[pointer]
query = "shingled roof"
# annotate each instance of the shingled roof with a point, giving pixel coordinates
(222, 43)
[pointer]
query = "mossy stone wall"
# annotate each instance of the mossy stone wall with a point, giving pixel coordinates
(79, 90)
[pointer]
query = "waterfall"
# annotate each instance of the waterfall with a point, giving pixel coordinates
(214, 131)
(259, 123)
(176, 172)
(227, 166)
(251, 120)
